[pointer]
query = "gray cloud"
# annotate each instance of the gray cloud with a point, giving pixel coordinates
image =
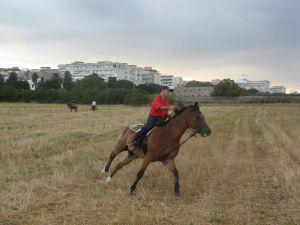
(260, 38)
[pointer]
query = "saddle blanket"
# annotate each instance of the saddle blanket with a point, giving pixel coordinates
(137, 127)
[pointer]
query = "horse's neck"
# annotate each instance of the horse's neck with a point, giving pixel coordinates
(177, 126)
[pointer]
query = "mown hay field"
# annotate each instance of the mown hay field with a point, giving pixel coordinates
(246, 172)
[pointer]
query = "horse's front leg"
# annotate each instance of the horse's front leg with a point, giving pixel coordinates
(140, 174)
(172, 167)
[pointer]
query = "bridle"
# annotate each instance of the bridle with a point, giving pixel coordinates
(193, 133)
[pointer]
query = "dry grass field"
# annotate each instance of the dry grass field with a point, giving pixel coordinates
(246, 172)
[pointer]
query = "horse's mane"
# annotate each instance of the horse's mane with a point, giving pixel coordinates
(177, 112)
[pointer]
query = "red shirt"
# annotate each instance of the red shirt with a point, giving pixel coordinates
(155, 110)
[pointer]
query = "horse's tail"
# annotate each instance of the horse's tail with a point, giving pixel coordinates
(126, 128)
(119, 137)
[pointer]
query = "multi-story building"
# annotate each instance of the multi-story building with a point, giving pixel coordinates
(215, 81)
(178, 81)
(260, 85)
(46, 72)
(150, 76)
(170, 81)
(6, 71)
(185, 93)
(105, 69)
(167, 80)
(278, 90)
(121, 71)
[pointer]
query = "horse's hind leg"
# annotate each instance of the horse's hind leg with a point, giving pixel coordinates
(111, 158)
(172, 167)
(125, 162)
(118, 149)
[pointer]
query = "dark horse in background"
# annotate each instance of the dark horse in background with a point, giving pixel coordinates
(93, 108)
(163, 143)
(72, 106)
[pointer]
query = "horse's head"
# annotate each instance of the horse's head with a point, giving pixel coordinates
(196, 120)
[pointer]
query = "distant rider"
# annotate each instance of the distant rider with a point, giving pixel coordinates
(93, 105)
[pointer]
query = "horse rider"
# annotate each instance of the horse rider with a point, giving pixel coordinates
(158, 111)
(93, 105)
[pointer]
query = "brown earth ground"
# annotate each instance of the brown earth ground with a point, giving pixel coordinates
(246, 172)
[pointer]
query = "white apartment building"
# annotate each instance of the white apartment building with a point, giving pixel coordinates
(167, 80)
(215, 81)
(105, 69)
(6, 71)
(122, 71)
(79, 70)
(150, 76)
(178, 81)
(260, 85)
(278, 90)
(171, 81)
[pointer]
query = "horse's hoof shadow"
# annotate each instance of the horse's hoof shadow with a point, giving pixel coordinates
(108, 180)
(132, 193)
(103, 170)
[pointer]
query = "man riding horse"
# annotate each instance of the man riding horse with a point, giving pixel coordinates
(158, 111)
(163, 144)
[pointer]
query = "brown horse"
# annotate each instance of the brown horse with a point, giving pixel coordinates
(71, 106)
(163, 143)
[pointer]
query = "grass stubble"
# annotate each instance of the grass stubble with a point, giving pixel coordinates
(246, 172)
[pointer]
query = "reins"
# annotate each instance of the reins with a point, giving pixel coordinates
(194, 133)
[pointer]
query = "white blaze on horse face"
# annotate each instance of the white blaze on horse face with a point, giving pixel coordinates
(108, 180)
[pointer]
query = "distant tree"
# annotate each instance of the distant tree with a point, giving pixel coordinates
(195, 83)
(149, 88)
(22, 84)
(12, 80)
(8, 94)
(112, 82)
(136, 97)
(227, 87)
(54, 83)
(90, 82)
(253, 91)
(2, 81)
(35, 78)
(67, 81)
(126, 84)
(41, 84)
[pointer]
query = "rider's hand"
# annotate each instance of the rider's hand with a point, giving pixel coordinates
(172, 107)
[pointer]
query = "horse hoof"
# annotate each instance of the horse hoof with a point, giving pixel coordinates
(108, 180)
(132, 193)
(103, 170)
(177, 194)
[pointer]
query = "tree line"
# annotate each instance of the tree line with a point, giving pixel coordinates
(63, 89)
(59, 89)
(229, 88)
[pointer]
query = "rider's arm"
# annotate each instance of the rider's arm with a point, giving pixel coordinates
(169, 107)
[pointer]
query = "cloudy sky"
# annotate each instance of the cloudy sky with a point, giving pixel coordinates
(195, 39)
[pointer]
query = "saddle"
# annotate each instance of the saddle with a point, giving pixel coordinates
(143, 140)
(137, 127)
